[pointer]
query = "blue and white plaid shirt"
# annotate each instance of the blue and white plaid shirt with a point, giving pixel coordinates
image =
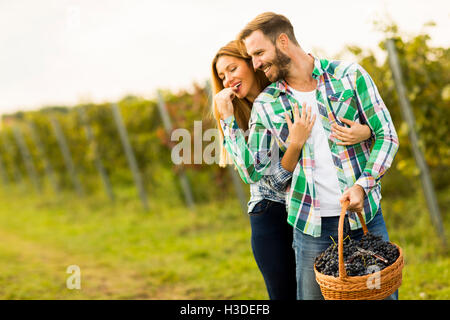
(271, 186)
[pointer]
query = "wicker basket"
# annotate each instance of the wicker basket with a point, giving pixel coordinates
(365, 287)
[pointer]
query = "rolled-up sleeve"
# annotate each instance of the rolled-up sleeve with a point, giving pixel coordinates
(251, 158)
(379, 120)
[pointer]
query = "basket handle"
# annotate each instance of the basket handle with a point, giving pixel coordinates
(342, 272)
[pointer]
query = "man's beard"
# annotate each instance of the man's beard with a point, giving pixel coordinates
(282, 63)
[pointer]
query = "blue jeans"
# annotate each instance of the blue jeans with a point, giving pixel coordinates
(272, 248)
(307, 248)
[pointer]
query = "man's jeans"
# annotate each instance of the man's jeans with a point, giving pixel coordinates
(307, 248)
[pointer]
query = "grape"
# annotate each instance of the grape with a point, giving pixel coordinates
(371, 250)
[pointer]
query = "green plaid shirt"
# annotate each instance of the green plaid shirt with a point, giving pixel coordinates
(343, 90)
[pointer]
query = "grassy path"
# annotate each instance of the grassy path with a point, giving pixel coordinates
(31, 270)
(169, 252)
(124, 253)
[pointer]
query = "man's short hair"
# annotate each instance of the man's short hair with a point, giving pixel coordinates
(271, 25)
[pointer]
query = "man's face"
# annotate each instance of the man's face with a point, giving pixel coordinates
(267, 57)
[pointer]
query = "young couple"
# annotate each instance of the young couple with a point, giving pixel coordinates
(334, 138)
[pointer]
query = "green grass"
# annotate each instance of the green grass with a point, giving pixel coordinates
(170, 252)
(426, 273)
(124, 252)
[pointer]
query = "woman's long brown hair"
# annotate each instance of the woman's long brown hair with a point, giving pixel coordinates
(242, 107)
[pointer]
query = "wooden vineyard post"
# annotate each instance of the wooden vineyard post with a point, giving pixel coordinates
(3, 172)
(42, 155)
(28, 160)
(408, 116)
(238, 187)
(7, 147)
(186, 187)
(97, 160)
(130, 155)
(66, 156)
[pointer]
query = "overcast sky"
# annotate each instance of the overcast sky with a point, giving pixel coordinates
(67, 51)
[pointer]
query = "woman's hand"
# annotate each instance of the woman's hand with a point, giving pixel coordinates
(300, 130)
(224, 103)
(348, 136)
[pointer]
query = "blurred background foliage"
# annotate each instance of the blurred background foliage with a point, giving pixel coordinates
(426, 72)
(178, 253)
(427, 79)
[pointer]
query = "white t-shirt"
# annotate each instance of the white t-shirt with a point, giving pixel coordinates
(325, 175)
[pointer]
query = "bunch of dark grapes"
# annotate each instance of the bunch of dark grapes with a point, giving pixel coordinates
(377, 245)
(371, 250)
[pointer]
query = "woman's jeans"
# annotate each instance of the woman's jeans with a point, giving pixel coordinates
(272, 247)
(307, 248)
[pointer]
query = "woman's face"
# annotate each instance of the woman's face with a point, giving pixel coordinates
(235, 72)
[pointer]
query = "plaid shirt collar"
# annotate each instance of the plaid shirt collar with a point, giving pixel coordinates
(283, 87)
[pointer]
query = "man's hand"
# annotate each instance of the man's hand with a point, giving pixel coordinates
(355, 195)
